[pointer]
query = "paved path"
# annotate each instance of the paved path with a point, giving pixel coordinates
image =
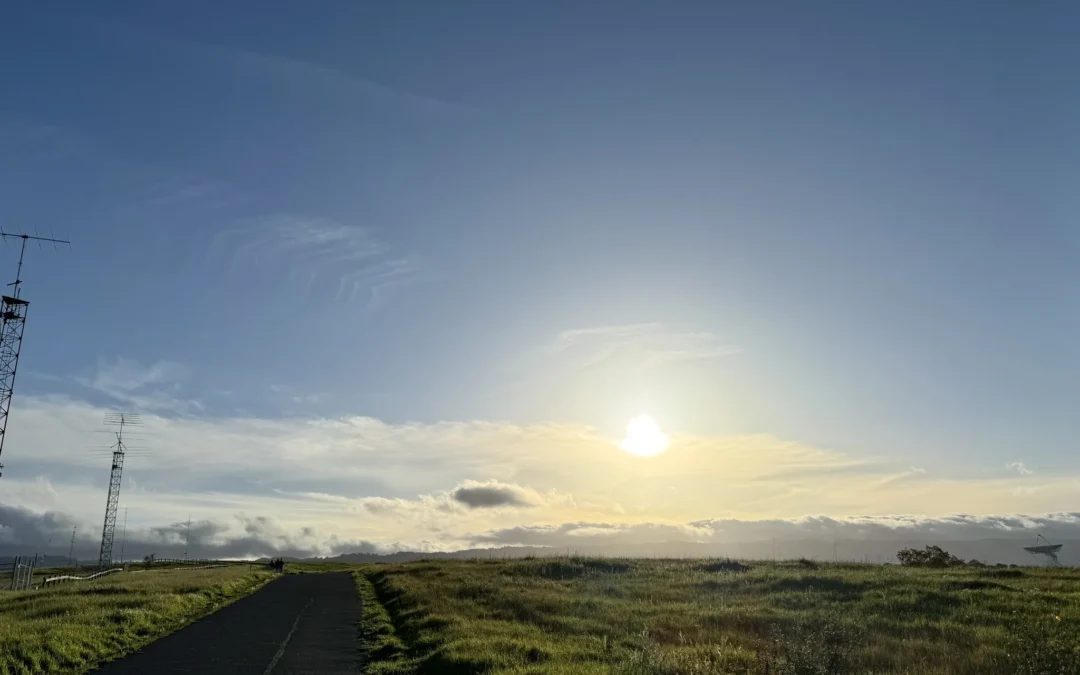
(298, 624)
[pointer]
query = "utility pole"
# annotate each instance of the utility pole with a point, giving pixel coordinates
(187, 536)
(71, 549)
(12, 321)
(48, 546)
(123, 537)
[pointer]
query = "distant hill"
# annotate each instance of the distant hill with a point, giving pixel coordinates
(1008, 551)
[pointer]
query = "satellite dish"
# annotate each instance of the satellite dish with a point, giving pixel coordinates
(1046, 551)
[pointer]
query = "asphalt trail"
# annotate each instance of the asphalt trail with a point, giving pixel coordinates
(297, 625)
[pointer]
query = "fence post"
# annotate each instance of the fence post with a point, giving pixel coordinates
(22, 573)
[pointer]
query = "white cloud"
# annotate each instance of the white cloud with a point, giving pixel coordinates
(176, 190)
(326, 81)
(294, 395)
(987, 538)
(344, 262)
(126, 375)
(443, 485)
(155, 387)
(305, 80)
(648, 344)
(25, 530)
(583, 365)
(1019, 468)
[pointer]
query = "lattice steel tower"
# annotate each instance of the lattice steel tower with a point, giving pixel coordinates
(12, 321)
(108, 531)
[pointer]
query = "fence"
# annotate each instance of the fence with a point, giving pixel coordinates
(186, 564)
(157, 565)
(21, 572)
(70, 577)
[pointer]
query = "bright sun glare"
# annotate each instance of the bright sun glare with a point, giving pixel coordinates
(644, 437)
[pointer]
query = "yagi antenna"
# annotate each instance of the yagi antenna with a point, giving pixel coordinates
(22, 252)
(12, 321)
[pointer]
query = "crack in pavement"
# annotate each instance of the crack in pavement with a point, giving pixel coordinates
(285, 643)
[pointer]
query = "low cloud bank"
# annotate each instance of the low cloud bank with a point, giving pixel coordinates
(24, 532)
(869, 528)
(992, 538)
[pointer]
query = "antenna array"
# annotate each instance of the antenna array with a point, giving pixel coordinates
(108, 531)
(12, 321)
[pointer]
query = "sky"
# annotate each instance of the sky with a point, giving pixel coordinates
(398, 275)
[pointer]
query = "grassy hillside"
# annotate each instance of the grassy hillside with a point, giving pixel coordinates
(650, 617)
(73, 627)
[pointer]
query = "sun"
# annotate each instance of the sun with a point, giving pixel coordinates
(644, 437)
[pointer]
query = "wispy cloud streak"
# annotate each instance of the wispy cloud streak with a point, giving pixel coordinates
(156, 387)
(315, 81)
(649, 344)
(343, 262)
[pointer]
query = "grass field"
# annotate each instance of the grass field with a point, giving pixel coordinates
(74, 627)
(651, 617)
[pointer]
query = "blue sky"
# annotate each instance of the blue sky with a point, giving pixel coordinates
(848, 227)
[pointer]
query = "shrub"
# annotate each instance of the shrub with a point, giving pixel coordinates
(819, 649)
(931, 556)
(725, 566)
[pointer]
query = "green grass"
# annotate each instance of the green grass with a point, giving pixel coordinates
(318, 567)
(697, 617)
(383, 652)
(77, 626)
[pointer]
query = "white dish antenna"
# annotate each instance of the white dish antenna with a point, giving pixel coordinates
(1045, 551)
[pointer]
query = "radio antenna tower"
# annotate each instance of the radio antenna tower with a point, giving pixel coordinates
(12, 321)
(108, 532)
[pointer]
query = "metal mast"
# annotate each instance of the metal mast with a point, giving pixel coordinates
(12, 321)
(123, 537)
(108, 531)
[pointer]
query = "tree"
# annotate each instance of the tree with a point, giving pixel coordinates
(931, 556)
